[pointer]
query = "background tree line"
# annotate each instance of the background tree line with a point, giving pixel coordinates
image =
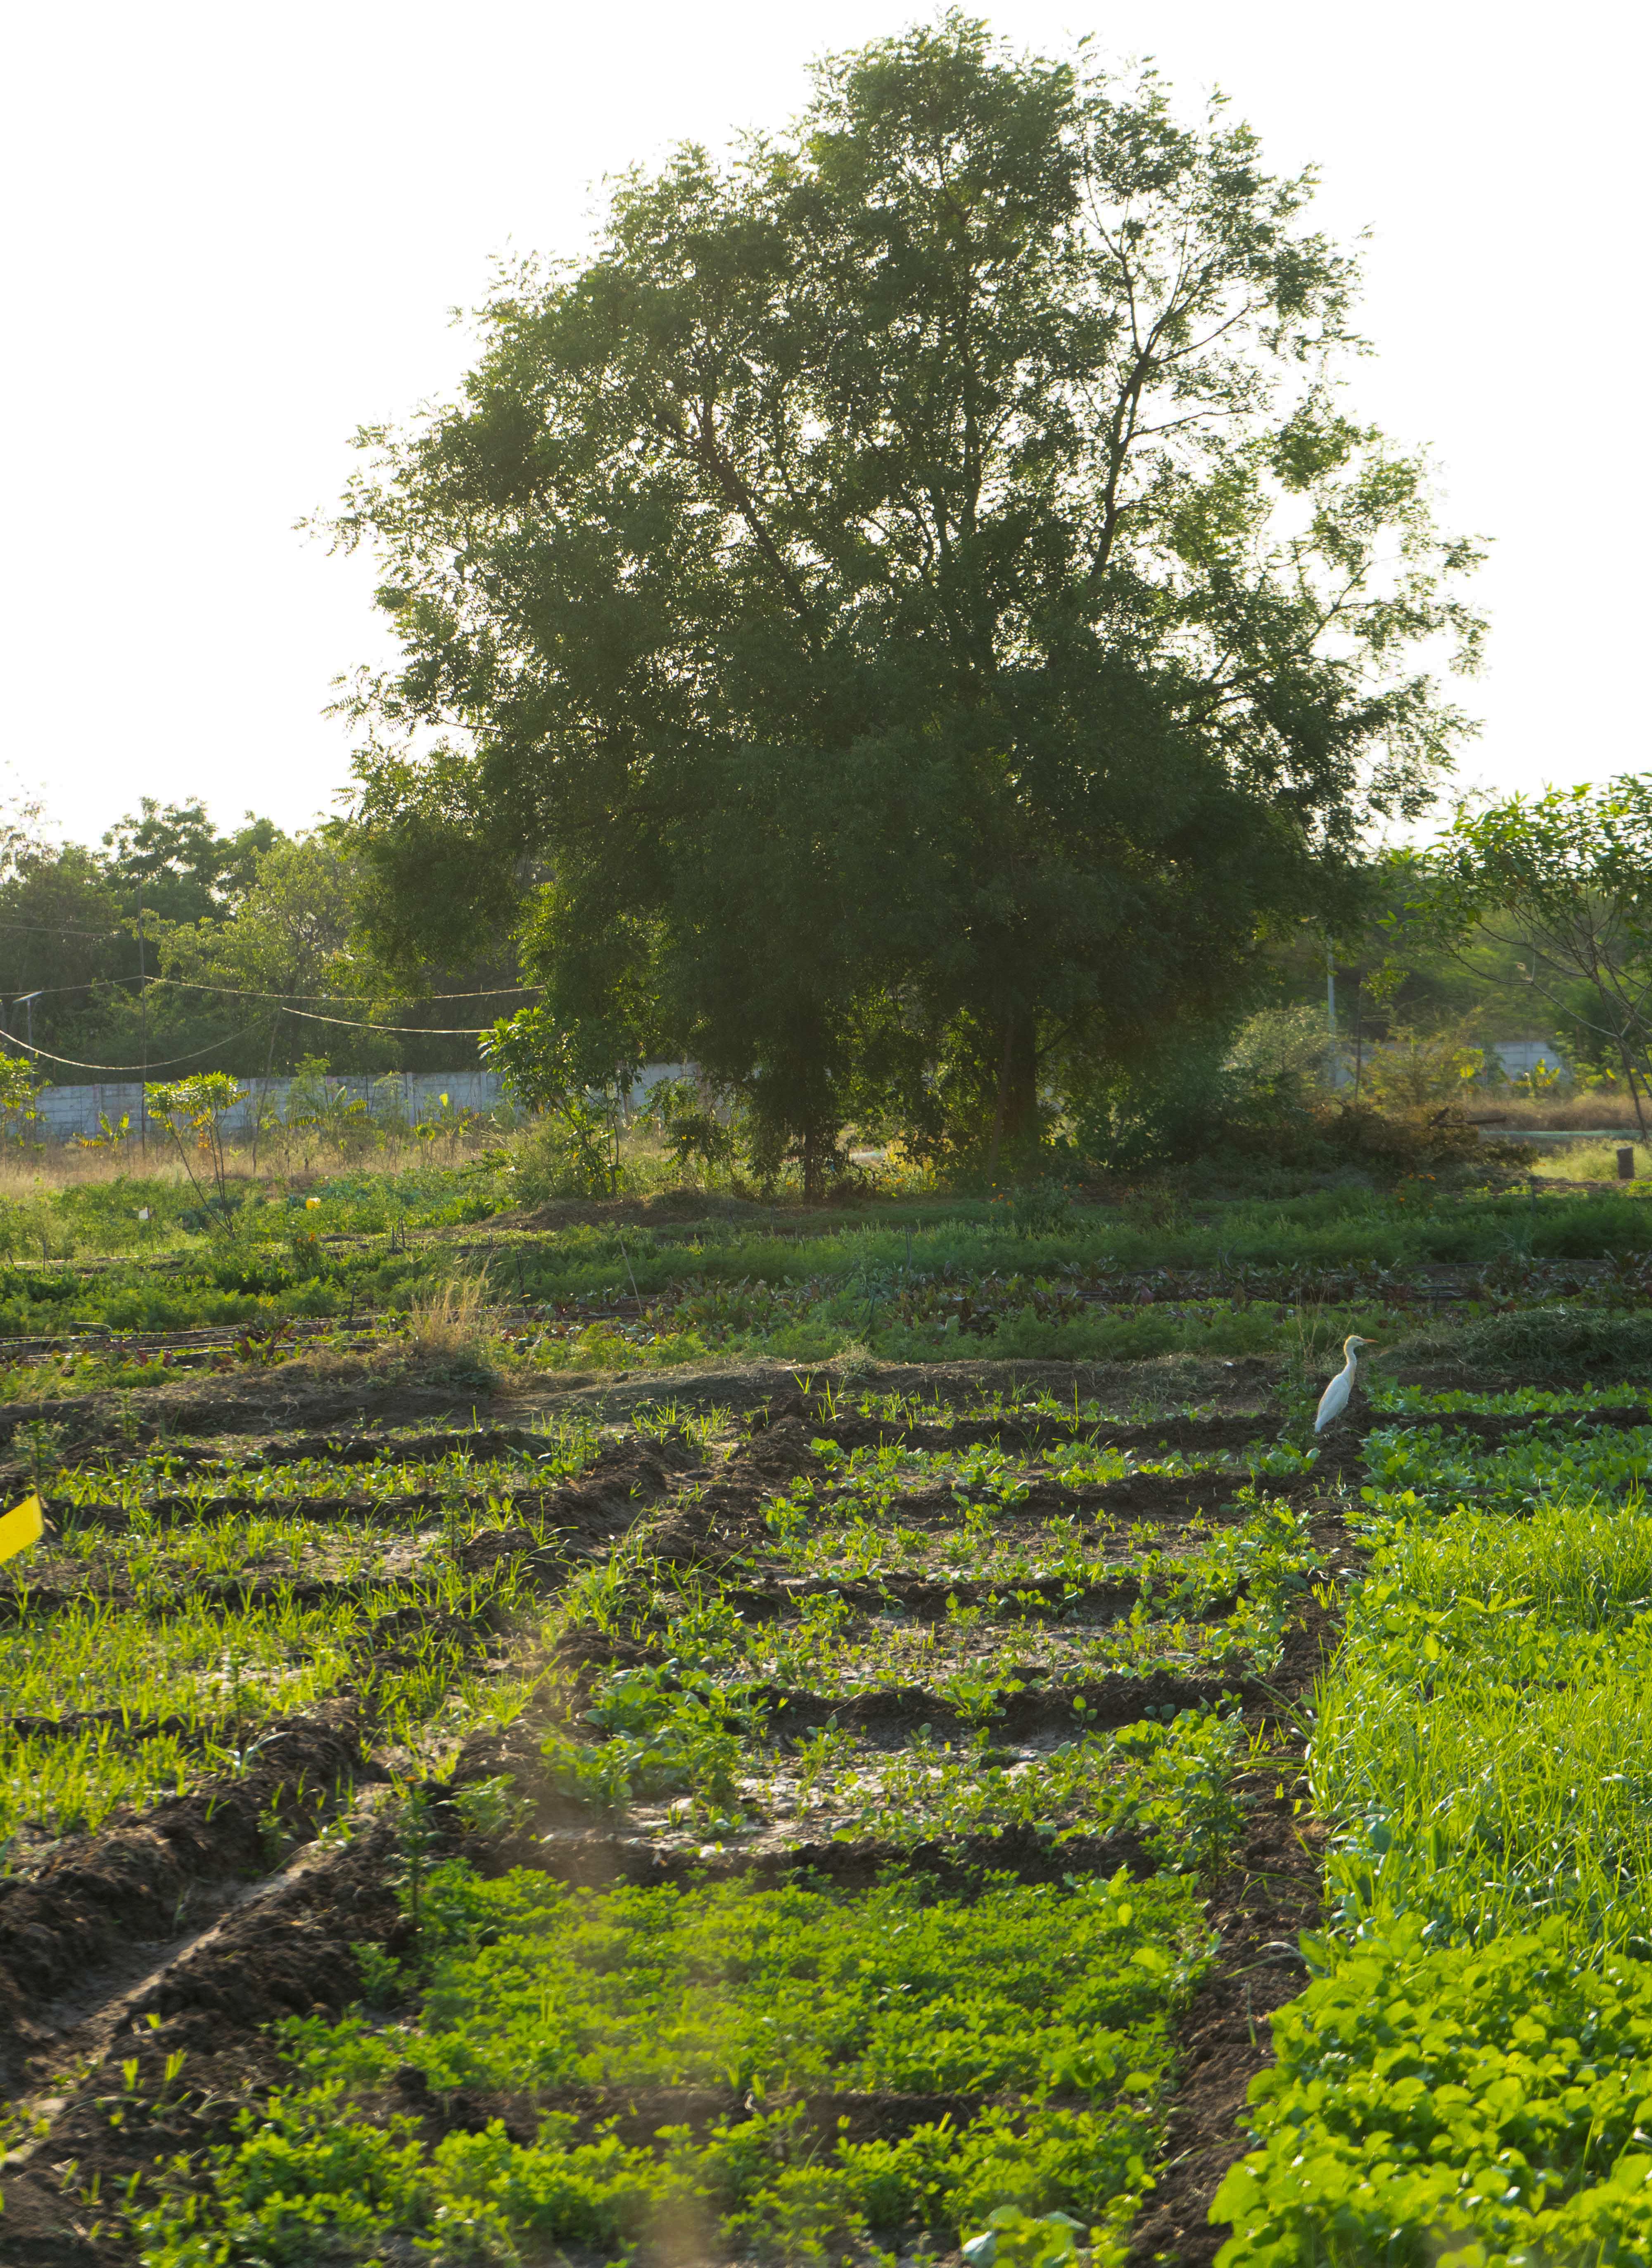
(175, 943)
(1527, 917)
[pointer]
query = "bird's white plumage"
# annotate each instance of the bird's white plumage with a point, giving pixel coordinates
(1334, 1400)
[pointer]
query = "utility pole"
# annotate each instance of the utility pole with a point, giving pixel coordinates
(26, 1000)
(1334, 1067)
(143, 1027)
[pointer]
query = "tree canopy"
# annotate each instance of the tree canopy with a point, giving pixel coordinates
(900, 622)
(1559, 885)
(250, 960)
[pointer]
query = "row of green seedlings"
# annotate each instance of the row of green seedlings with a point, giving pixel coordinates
(695, 1742)
(97, 1502)
(176, 1702)
(674, 1750)
(1467, 2080)
(1089, 1416)
(765, 2005)
(141, 1662)
(219, 1673)
(875, 1477)
(1221, 1602)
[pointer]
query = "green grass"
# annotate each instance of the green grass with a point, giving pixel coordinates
(81, 1258)
(1590, 1161)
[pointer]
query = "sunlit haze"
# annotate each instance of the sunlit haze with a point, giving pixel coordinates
(235, 234)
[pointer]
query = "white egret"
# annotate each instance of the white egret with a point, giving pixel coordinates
(1334, 1400)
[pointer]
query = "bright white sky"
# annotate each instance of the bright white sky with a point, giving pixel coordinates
(234, 233)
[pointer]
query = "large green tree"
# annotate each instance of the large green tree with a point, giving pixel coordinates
(905, 615)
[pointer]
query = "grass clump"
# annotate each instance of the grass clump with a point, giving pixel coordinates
(447, 1328)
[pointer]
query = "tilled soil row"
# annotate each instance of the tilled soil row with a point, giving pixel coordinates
(922, 1599)
(124, 1884)
(591, 1512)
(1030, 1431)
(890, 1716)
(352, 1511)
(1265, 1900)
(288, 1950)
(265, 1587)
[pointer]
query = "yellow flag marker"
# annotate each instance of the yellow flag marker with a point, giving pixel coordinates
(21, 1526)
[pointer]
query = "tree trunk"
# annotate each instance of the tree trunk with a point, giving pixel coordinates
(1015, 1116)
(1003, 1105)
(1021, 1088)
(1634, 1093)
(813, 1177)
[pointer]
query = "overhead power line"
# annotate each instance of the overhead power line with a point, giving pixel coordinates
(416, 1031)
(73, 1063)
(241, 993)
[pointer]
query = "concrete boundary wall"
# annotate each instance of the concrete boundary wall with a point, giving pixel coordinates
(66, 1111)
(1518, 1059)
(414, 1095)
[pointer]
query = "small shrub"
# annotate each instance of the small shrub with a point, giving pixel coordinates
(1040, 1208)
(548, 1159)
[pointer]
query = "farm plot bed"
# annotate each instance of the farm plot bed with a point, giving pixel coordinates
(1469, 2075)
(824, 1845)
(123, 1293)
(842, 1827)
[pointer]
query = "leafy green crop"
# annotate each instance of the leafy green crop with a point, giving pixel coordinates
(1469, 2079)
(1050, 2008)
(1484, 2106)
